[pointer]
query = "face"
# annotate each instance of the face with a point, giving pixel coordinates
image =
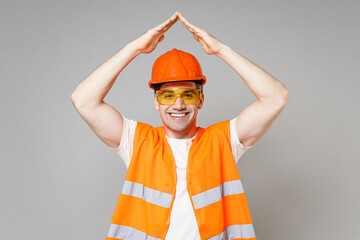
(179, 119)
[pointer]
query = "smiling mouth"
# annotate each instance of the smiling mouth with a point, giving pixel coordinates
(178, 115)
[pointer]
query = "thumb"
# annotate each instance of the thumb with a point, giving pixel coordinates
(161, 38)
(196, 37)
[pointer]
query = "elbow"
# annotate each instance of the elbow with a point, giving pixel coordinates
(285, 96)
(83, 103)
(283, 99)
(73, 96)
(75, 99)
(277, 96)
(279, 100)
(282, 95)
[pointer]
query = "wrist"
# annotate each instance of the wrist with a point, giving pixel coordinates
(223, 48)
(133, 47)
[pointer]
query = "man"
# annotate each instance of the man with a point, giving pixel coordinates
(182, 181)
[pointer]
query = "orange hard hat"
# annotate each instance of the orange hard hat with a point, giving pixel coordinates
(176, 65)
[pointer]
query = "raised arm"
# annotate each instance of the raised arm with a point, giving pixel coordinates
(88, 96)
(272, 96)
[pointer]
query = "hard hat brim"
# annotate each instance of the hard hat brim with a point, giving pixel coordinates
(177, 79)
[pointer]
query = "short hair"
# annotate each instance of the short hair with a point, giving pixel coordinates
(197, 82)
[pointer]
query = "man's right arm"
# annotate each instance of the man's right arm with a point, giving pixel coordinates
(103, 119)
(88, 96)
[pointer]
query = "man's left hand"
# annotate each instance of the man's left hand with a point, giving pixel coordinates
(209, 43)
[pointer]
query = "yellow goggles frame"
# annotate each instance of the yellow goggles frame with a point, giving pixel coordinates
(187, 96)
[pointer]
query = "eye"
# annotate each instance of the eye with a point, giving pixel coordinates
(189, 94)
(168, 95)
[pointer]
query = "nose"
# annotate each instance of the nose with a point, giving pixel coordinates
(178, 104)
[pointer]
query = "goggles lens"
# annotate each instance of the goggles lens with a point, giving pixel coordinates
(169, 96)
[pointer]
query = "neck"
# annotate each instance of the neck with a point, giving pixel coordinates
(186, 133)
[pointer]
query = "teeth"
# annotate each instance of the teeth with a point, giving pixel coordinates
(177, 114)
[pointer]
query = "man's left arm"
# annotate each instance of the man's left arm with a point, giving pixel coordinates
(272, 96)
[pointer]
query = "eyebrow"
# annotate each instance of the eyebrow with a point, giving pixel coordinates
(168, 91)
(172, 91)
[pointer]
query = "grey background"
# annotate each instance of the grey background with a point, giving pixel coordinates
(59, 181)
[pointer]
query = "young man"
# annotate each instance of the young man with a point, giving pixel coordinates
(182, 181)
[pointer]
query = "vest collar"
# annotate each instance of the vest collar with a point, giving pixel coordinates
(200, 131)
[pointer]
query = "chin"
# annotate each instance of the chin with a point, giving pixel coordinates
(177, 128)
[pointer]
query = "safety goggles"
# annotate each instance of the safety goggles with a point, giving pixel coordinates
(169, 96)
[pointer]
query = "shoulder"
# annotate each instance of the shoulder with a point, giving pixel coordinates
(219, 128)
(144, 127)
(129, 123)
(135, 129)
(145, 131)
(220, 124)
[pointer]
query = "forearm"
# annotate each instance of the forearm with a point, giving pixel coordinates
(264, 86)
(92, 90)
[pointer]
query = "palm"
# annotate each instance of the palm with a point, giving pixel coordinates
(209, 44)
(148, 42)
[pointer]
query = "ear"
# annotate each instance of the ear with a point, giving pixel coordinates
(156, 104)
(201, 101)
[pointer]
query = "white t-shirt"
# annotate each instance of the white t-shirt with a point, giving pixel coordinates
(183, 223)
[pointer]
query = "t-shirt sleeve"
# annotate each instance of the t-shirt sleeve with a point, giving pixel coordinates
(238, 149)
(125, 149)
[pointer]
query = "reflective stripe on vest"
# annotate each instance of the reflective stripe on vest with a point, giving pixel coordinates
(125, 232)
(235, 232)
(217, 193)
(147, 194)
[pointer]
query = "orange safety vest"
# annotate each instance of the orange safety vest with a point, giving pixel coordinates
(213, 182)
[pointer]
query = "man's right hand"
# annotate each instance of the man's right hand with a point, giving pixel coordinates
(88, 97)
(148, 41)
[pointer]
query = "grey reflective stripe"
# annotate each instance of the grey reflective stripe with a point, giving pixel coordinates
(147, 194)
(236, 231)
(216, 194)
(126, 233)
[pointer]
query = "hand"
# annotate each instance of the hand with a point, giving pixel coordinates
(209, 43)
(148, 42)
